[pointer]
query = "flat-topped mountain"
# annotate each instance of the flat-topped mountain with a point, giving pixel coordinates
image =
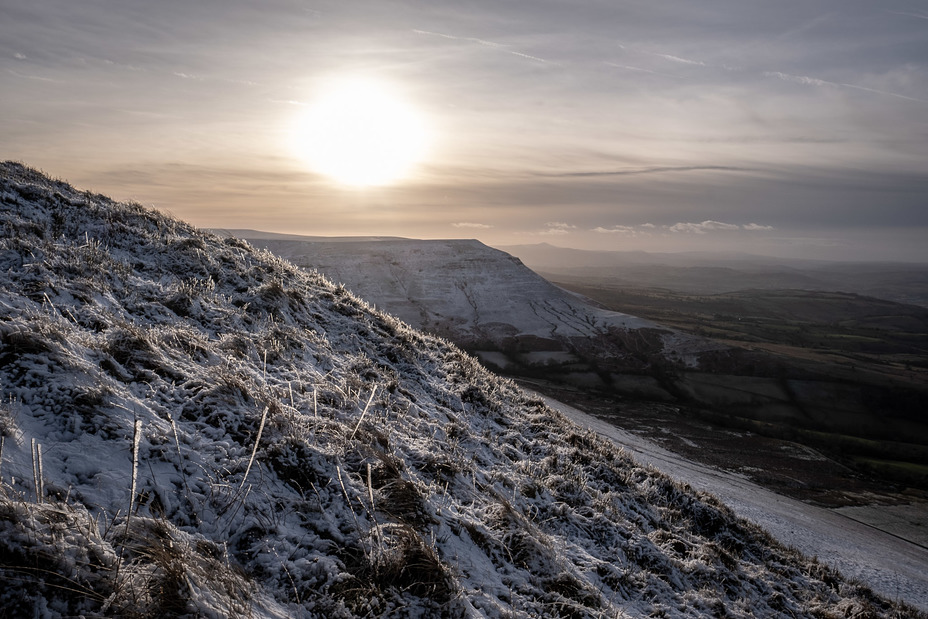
(459, 287)
(489, 303)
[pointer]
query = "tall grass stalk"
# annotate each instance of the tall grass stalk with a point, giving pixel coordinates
(364, 412)
(180, 458)
(255, 448)
(38, 453)
(370, 493)
(37, 470)
(136, 437)
(341, 482)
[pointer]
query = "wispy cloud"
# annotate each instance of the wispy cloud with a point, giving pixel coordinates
(37, 78)
(922, 15)
(814, 81)
(703, 227)
(641, 70)
(651, 170)
(468, 224)
(680, 60)
(630, 231)
(459, 38)
(615, 230)
(798, 79)
(497, 46)
(19, 56)
(557, 228)
(709, 225)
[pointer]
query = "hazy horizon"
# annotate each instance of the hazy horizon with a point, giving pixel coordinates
(249, 233)
(789, 129)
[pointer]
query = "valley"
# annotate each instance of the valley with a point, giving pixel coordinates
(846, 338)
(847, 330)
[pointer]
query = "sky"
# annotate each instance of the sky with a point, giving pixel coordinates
(791, 128)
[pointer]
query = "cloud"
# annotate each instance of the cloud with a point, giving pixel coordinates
(615, 230)
(37, 78)
(681, 60)
(703, 227)
(651, 170)
(917, 15)
(468, 224)
(625, 230)
(641, 70)
(798, 79)
(813, 81)
(556, 228)
(715, 226)
(19, 56)
(496, 46)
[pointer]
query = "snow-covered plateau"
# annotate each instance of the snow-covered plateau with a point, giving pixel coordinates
(195, 428)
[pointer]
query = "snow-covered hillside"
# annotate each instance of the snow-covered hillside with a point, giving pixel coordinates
(488, 302)
(452, 286)
(192, 427)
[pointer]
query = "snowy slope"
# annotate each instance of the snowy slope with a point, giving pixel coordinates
(192, 427)
(890, 564)
(487, 301)
(452, 285)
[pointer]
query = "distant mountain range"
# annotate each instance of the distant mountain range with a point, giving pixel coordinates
(710, 273)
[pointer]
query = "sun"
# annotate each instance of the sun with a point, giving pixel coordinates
(361, 133)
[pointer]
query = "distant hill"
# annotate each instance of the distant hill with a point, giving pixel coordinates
(193, 427)
(489, 303)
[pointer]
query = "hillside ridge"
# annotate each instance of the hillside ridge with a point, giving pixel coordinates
(193, 427)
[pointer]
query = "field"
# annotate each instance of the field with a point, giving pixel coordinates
(837, 328)
(846, 340)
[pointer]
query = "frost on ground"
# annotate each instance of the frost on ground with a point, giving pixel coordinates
(295, 453)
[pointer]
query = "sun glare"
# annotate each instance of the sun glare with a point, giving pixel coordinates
(361, 133)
